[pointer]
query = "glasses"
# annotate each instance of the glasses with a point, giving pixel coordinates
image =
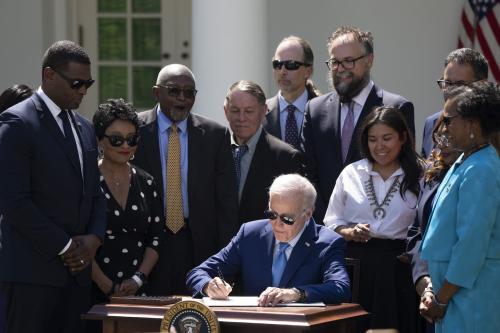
(76, 83)
(118, 141)
(174, 91)
(334, 64)
(290, 65)
(272, 215)
(447, 119)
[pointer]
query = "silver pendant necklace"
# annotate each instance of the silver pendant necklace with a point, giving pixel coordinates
(379, 210)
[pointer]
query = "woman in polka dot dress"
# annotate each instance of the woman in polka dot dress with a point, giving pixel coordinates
(134, 230)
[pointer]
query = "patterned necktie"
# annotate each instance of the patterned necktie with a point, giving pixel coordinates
(347, 131)
(69, 137)
(175, 212)
(291, 130)
(279, 263)
(238, 152)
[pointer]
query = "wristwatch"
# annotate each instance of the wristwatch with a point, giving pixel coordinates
(302, 295)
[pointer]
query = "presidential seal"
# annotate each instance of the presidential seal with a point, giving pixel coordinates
(189, 317)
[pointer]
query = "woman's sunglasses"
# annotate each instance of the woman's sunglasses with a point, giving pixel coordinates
(117, 140)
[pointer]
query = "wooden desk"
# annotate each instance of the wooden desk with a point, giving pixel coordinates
(121, 318)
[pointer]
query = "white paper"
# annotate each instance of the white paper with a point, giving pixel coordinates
(250, 301)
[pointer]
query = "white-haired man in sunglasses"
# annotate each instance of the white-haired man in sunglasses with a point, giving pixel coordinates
(284, 258)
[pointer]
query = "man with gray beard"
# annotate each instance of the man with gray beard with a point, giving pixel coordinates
(331, 121)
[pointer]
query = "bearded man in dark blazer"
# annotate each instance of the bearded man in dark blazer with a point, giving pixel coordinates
(329, 133)
(258, 156)
(190, 158)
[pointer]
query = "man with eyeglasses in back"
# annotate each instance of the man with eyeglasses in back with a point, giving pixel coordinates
(331, 121)
(53, 210)
(461, 67)
(284, 258)
(292, 70)
(190, 158)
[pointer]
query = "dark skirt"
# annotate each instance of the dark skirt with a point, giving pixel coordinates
(386, 289)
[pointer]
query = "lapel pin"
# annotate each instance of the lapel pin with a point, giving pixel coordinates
(307, 244)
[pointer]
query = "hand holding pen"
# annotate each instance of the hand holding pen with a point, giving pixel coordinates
(218, 288)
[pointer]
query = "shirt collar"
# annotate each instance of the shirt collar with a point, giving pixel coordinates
(53, 108)
(299, 103)
(295, 239)
(367, 166)
(251, 143)
(361, 98)
(164, 122)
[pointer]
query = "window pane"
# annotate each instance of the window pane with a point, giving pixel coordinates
(112, 82)
(112, 39)
(146, 6)
(146, 39)
(144, 79)
(112, 6)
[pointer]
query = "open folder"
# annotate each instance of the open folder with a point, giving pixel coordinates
(249, 301)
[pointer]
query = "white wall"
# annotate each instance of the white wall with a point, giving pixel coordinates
(411, 39)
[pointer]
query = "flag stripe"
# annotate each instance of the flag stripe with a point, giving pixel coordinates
(487, 53)
(493, 22)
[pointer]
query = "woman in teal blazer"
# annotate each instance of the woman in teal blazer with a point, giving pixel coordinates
(462, 242)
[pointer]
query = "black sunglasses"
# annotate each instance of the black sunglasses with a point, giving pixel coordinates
(117, 140)
(447, 119)
(76, 83)
(290, 65)
(174, 91)
(272, 215)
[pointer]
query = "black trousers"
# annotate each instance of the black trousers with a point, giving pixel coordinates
(175, 260)
(45, 309)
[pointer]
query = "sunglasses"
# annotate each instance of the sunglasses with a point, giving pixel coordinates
(290, 65)
(76, 83)
(117, 140)
(174, 91)
(272, 215)
(447, 119)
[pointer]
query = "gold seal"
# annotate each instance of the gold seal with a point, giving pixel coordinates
(189, 317)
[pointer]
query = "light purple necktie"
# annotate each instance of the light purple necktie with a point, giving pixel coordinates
(347, 131)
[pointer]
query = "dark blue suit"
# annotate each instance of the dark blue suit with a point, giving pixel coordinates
(316, 263)
(427, 142)
(43, 199)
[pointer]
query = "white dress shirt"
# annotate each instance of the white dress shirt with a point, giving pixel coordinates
(292, 243)
(349, 204)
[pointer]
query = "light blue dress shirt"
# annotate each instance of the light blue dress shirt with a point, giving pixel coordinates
(300, 105)
(163, 128)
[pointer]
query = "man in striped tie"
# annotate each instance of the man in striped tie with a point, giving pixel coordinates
(284, 258)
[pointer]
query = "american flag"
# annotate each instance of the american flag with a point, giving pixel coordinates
(480, 30)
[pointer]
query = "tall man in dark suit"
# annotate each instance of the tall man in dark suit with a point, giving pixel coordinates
(52, 207)
(462, 66)
(284, 258)
(332, 120)
(292, 69)
(258, 156)
(190, 158)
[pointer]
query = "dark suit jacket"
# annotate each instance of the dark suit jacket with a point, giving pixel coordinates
(272, 158)
(316, 263)
(427, 142)
(213, 208)
(417, 230)
(43, 200)
(321, 139)
(272, 121)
